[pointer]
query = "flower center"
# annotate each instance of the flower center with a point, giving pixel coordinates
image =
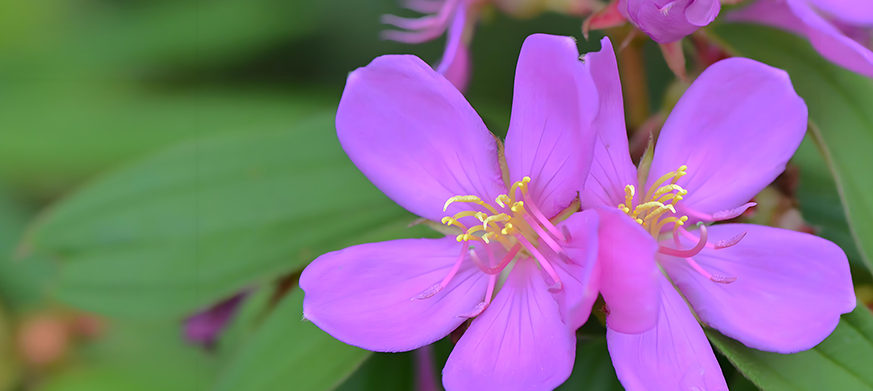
(517, 224)
(657, 208)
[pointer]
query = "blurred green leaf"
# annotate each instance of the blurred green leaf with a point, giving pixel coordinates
(839, 113)
(138, 356)
(819, 200)
(58, 133)
(112, 40)
(385, 372)
(593, 370)
(739, 383)
(22, 284)
(288, 353)
(200, 221)
(841, 362)
(8, 363)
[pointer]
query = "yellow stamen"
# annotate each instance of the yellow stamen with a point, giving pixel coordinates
(654, 211)
(469, 199)
(629, 195)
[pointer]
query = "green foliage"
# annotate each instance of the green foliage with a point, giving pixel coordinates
(839, 113)
(92, 39)
(386, 372)
(137, 356)
(200, 221)
(91, 127)
(819, 200)
(841, 362)
(9, 369)
(593, 369)
(290, 353)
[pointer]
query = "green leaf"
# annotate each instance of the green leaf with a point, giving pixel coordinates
(93, 126)
(385, 372)
(117, 41)
(200, 221)
(288, 353)
(819, 201)
(841, 362)
(22, 284)
(138, 356)
(593, 370)
(8, 363)
(839, 111)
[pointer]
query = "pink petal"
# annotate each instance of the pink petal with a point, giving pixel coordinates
(629, 274)
(798, 17)
(612, 168)
(581, 274)
(518, 343)
(702, 12)
(668, 21)
(675, 355)
(413, 134)
(735, 129)
(789, 292)
(455, 64)
(850, 11)
(363, 295)
(550, 135)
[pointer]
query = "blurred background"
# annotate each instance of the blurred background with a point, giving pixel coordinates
(168, 167)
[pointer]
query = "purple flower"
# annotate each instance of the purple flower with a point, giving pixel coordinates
(668, 21)
(459, 17)
(728, 137)
(839, 29)
(525, 275)
(204, 328)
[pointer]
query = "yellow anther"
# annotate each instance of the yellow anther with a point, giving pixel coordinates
(503, 200)
(666, 189)
(517, 207)
(475, 228)
(652, 212)
(508, 229)
(645, 206)
(491, 219)
(659, 211)
(470, 199)
(629, 192)
(519, 184)
(452, 221)
(466, 198)
(674, 175)
(679, 173)
(481, 216)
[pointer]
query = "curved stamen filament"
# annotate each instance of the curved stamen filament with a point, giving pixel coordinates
(492, 281)
(503, 263)
(429, 292)
(688, 253)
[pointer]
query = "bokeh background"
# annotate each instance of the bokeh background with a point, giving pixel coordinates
(158, 157)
